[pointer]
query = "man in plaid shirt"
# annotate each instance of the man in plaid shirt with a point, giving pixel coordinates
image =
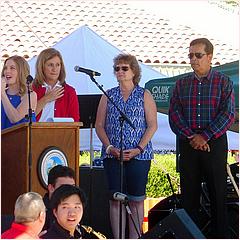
(201, 111)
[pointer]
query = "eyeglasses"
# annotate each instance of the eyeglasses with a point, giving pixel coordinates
(197, 55)
(123, 68)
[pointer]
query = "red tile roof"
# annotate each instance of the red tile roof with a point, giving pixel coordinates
(27, 27)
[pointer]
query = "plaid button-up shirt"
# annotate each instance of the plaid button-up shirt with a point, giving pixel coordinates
(203, 105)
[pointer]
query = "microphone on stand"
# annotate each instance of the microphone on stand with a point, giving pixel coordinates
(86, 71)
(120, 197)
(29, 79)
(123, 198)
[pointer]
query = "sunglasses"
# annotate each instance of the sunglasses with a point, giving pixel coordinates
(123, 68)
(197, 55)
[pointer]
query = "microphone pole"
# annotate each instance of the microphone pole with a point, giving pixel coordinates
(176, 201)
(123, 115)
(123, 199)
(122, 118)
(29, 80)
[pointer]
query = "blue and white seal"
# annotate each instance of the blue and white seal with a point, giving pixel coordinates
(49, 158)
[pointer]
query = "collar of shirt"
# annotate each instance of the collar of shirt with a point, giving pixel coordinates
(64, 232)
(49, 86)
(25, 229)
(207, 77)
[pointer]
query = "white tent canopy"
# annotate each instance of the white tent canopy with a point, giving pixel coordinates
(87, 49)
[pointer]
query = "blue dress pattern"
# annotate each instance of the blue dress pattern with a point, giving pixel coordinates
(134, 110)
(15, 101)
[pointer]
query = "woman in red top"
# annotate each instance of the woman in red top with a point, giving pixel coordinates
(55, 97)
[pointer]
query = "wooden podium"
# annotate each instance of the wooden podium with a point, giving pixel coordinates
(15, 156)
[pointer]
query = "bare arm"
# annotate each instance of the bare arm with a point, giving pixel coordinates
(151, 118)
(16, 114)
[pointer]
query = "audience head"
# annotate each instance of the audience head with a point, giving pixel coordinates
(15, 70)
(30, 210)
(50, 67)
(133, 64)
(58, 176)
(67, 203)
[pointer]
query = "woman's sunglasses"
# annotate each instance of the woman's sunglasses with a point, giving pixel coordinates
(123, 68)
(197, 55)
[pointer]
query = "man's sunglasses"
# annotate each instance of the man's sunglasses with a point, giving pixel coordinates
(197, 55)
(123, 68)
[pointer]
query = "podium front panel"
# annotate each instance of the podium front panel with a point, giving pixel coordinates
(15, 156)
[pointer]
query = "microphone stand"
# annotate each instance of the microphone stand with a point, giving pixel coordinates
(125, 202)
(29, 80)
(91, 171)
(122, 118)
(176, 200)
(121, 174)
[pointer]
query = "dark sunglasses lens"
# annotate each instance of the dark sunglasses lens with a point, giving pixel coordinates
(125, 68)
(190, 55)
(199, 55)
(116, 69)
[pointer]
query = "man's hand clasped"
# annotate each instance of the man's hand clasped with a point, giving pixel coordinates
(199, 143)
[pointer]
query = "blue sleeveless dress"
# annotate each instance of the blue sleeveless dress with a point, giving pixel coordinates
(15, 101)
(135, 171)
(134, 110)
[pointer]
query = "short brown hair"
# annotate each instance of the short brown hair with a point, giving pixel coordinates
(43, 57)
(206, 42)
(23, 70)
(133, 63)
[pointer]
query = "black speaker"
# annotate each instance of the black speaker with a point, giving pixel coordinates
(96, 215)
(175, 226)
(163, 209)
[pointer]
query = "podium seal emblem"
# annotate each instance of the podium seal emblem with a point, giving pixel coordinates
(49, 158)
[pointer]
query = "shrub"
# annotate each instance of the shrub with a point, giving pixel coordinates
(158, 184)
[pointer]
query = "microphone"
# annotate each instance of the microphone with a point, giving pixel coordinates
(87, 71)
(120, 197)
(29, 79)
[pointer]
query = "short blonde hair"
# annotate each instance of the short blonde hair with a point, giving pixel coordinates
(43, 57)
(23, 71)
(28, 207)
